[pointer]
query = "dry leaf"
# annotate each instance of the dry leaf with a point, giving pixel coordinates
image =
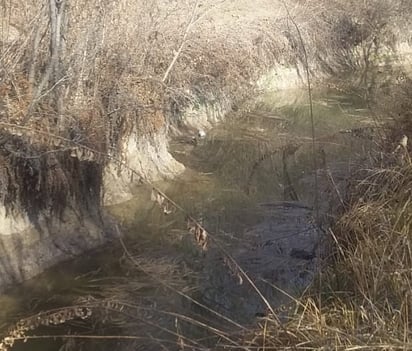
(90, 156)
(79, 153)
(160, 199)
(168, 208)
(199, 233)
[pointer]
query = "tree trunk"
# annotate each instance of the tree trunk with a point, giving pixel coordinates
(53, 77)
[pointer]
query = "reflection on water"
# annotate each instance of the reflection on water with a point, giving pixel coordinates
(251, 183)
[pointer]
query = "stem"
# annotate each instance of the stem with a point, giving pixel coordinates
(312, 120)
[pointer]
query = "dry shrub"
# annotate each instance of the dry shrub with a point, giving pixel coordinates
(349, 35)
(395, 101)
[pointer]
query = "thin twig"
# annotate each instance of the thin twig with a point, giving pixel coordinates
(192, 22)
(188, 28)
(312, 120)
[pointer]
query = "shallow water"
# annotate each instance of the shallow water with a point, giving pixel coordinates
(251, 181)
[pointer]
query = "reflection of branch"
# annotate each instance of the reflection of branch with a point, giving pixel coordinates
(289, 189)
(287, 150)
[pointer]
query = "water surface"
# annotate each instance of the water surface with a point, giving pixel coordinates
(251, 182)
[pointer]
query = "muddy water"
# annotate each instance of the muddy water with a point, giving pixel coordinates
(251, 182)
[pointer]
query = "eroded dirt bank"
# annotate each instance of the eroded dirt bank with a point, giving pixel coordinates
(78, 131)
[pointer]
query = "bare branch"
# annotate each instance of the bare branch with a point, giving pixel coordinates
(177, 53)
